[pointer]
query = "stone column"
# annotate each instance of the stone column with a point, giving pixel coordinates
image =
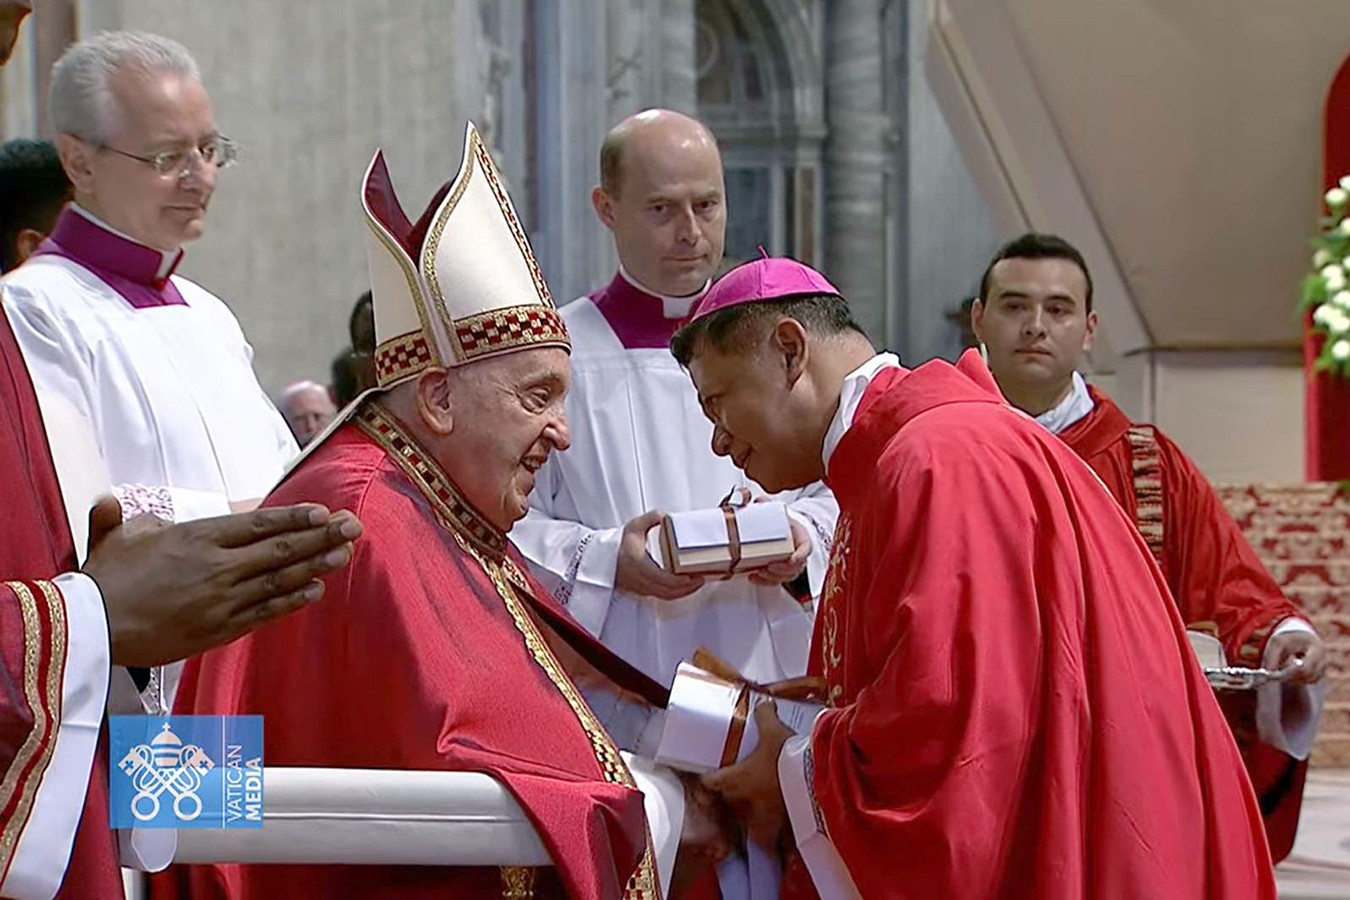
(679, 89)
(855, 258)
(949, 235)
(574, 249)
(651, 56)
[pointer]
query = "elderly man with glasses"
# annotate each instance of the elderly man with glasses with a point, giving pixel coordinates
(155, 364)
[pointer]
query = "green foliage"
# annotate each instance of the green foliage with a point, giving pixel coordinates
(1325, 292)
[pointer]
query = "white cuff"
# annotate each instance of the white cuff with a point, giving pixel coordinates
(43, 851)
(1288, 715)
(593, 587)
(147, 849)
(818, 561)
(663, 802)
(828, 872)
(189, 505)
(169, 503)
(1287, 624)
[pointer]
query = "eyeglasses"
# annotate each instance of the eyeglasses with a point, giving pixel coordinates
(218, 151)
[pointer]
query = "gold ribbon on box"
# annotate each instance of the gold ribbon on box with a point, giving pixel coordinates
(672, 549)
(808, 688)
(733, 530)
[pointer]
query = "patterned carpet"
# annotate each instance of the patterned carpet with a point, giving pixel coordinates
(1302, 534)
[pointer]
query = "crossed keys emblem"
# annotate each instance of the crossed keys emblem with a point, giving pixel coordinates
(165, 764)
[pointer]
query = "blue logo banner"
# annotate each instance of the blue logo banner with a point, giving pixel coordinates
(185, 771)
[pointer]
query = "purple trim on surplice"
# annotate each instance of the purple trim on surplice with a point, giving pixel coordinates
(129, 268)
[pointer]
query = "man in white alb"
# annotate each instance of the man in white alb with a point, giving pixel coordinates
(641, 446)
(156, 366)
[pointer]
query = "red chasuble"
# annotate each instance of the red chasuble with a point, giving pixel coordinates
(1218, 583)
(427, 652)
(1016, 709)
(35, 546)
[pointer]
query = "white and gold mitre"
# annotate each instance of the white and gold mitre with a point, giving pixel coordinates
(459, 285)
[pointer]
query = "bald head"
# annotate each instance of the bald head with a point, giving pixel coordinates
(652, 130)
(661, 193)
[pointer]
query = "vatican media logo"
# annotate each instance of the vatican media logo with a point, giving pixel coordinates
(185, 771)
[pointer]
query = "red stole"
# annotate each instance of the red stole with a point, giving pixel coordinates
(1219, 586)
(996, 729)
(37, 546)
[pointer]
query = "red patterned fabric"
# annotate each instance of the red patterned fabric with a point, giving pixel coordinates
(401, 356)
(464, 685)
(510, 329)
(1301, 533)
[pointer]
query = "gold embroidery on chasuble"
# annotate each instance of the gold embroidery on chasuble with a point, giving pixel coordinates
(42, 693)
(1146, 466)
(831, 599)
(487, 546)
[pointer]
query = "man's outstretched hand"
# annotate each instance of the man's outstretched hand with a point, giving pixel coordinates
(172, 591)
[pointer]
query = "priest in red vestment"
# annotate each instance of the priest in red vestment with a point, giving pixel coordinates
(1013, 706)
(1035, 319)
(436, 650)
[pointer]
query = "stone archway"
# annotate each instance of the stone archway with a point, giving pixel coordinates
(760, 89)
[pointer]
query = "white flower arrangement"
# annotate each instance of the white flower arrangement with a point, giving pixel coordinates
(1326, 290)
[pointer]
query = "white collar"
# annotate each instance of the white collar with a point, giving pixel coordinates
(167, 257)
(671, 307)
(1072, 409)
(850, 396)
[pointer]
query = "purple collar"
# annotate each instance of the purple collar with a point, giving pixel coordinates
(640, 319)
(137, 272)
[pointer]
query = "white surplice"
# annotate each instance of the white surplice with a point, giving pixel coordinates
(641, 442)
(170, 391)
(178, 419)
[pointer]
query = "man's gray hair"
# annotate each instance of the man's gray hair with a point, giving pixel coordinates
(80, 101)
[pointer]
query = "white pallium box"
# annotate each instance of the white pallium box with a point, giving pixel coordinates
(726, 540)
(710, 721)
